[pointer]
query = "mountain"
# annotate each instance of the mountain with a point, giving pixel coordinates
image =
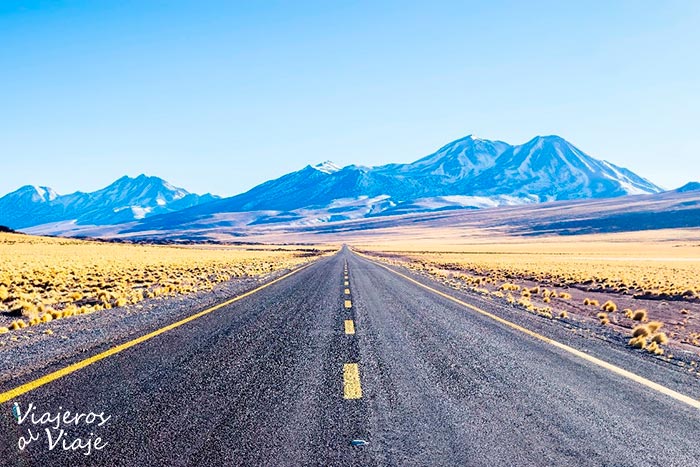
(692, 186)
(551, 168)
(125, 200)
(469, 173)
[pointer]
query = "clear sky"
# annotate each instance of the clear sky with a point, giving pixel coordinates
(220, 96)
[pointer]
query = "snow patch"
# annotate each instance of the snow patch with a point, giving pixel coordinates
(327, 167)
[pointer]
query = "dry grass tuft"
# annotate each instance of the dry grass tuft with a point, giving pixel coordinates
(17, 324)
(638, 342)
(654, 326)
(660, 338)
(640, 331)
(564, 314)
(640, 315)
(565, 296)
(609, 307)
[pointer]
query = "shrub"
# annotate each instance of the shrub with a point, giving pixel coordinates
(660, 338)
(654, 326)
(628, 313)
(640, 315)
(18, 324)
(565, 296)
(638, 342)
(563, 315)
(591, 302)
(609, 307)
(28, 310)
(3, 330)
(4, 294)
(640, 331)
(75, 296)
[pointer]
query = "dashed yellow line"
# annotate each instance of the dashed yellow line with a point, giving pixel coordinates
(19, 390)
(601, 363)
(349, 327)
(347, 291)
(352, 389)
(347, 283)
(348, 304)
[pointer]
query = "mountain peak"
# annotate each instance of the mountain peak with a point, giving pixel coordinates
(37, 193)
(327, 167)
(691, 186)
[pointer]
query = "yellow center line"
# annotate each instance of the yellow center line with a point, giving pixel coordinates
(601, 363)
(347, 283)
(19, 390)
(348, 304)
(347, 291)
(352, 388)
(349, 326)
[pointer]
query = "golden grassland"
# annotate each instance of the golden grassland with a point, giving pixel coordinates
(651, 264)
(43, 279)
(616, 280)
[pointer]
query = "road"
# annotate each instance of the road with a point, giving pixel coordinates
(293, 373)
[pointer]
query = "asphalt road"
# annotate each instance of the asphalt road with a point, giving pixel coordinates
(266, 381)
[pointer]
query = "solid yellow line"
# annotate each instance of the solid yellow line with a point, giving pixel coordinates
(351, 381)
(601, 363)
(349, 326)
(347, 291)
(19, 390)
(348, 304)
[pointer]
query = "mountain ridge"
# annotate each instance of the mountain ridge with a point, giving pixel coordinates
(126, 199)
(467, 173)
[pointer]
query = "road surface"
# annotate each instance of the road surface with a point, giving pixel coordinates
(292, 374)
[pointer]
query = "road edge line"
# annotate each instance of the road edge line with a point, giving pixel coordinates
(601, 363)
(72, 368)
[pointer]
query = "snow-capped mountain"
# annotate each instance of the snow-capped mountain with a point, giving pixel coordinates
(551, 168)
(467, 173)
(125, 200)
(543, 169)
(470, 173)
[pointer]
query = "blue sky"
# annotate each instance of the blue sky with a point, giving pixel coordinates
(220, 96)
